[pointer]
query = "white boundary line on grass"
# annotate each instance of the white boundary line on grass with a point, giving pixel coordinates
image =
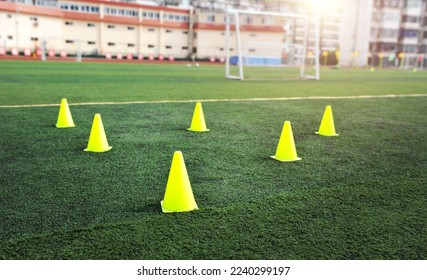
(220, 100)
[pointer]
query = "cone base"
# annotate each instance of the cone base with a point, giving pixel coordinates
(98, 151)
(164, 210)
(287, 160)
(64, 126)
(203, 130)
(317, 132)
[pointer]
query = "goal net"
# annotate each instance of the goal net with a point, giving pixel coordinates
(271, 46)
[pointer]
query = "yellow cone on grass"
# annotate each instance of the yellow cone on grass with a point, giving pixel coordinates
(64, 116)
(178, 195)
(97, 140)
(198, 123)
(286, 150)
(327, 126)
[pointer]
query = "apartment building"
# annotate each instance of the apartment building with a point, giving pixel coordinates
(396, 30)
(329, 18)
(423, 33)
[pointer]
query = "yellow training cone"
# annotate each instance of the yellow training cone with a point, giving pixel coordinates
(97, 140)
(198, 123)
(327, 127)
(64, 117)
(286, 150)
(178, 195)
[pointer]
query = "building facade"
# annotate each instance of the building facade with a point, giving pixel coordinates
(359, 32)
(397, 30)
(97, 27)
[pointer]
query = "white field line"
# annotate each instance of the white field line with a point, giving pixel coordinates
(221, 100)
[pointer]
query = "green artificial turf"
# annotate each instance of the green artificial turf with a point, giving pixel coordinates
(39, 83)
(361, 195)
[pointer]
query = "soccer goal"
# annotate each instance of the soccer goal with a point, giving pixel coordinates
(271, 46)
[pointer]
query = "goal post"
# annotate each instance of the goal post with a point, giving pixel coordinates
(250, 50)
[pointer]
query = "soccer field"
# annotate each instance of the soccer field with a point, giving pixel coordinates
(361, 195)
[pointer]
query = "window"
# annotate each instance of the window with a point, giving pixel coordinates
(91, 43)
(34, 39)
(10, 37)
(248, 20)
(388, 47)
(169, 47)
(252, 35)
(252, 50)
(231, 18)
(131, 45)
(168, 31)
(425, 34)
(184, 32)
(70, 23)
(409, 48)
(69, 41)
(9, 16)
(210, 18)
(392, 3)
(184, 48)
(111, 26)
(151, 15)
(391, 17)
(267, 21)
(412, 19)
(91, 24)
(413, 3)
(389, 33)
(111, 44)
(33, 18)
(409, 33)
(131, 28)
(150, 29)
(150, 46)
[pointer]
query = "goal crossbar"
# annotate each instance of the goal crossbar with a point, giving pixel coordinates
(305, 18)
